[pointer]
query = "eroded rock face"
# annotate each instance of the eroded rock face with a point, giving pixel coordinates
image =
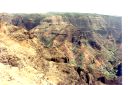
(60, 52)
(55, 20)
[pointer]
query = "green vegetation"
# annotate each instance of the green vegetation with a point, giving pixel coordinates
(47, 41)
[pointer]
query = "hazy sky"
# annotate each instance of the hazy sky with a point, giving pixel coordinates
(111, 7)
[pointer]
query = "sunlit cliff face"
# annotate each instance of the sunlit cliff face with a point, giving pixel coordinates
(58, 52)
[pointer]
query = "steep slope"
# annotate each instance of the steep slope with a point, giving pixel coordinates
(61, 50)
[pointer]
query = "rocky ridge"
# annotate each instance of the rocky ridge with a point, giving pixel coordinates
(61, 50)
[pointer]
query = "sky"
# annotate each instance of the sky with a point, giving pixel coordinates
(108, 7)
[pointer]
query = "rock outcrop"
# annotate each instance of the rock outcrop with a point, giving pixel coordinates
(64, 49)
